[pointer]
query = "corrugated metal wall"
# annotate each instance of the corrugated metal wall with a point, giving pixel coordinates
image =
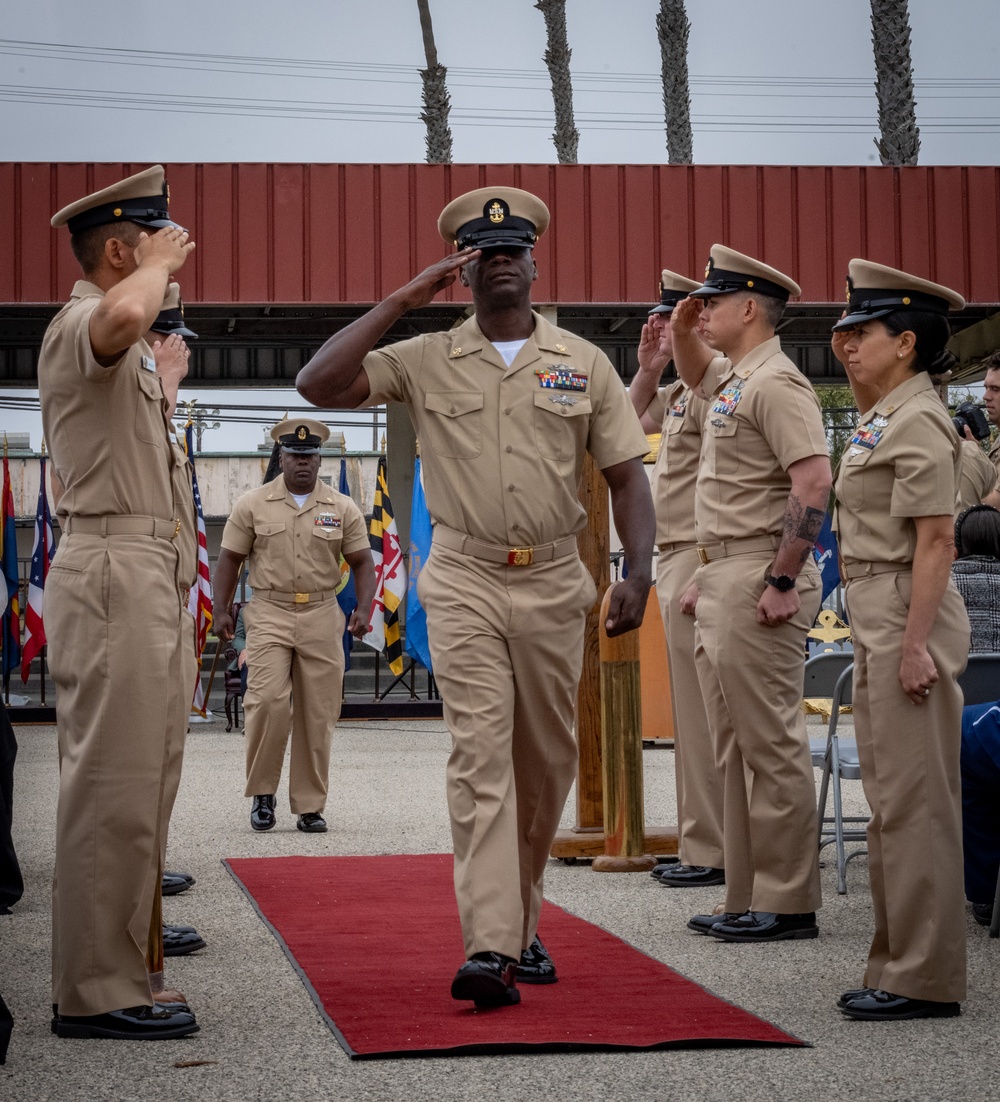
(332, 233)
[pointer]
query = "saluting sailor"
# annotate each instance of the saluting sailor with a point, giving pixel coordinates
(505, 407)
(294, 530)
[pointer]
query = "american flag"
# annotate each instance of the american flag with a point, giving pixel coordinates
(41, 555)
(200, 597)
(390, 577)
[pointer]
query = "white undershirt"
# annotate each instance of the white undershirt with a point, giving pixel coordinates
(300, 499)
(509, 349)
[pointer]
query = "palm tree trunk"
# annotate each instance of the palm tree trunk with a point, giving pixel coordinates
(557, 54)
(897, 115)
(672, 26)
(437, 102)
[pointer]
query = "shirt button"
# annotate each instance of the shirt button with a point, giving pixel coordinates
(508, 449)
(511, 487)
(516, 527)
(507, 411)
(452, 409)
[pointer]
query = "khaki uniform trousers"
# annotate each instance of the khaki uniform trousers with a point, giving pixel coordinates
(751, 679)
(909, 758)
(507, 648)
(182, 711)
(295, 653)
(113, 616)
(699, 786)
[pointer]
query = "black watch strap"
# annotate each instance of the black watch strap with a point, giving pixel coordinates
(781, 582)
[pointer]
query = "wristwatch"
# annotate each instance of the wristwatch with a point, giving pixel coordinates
(781, 582)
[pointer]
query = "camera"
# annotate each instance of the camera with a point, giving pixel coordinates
(972, 416)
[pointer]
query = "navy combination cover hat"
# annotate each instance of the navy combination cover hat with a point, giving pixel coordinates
(300, 434)
(170, 319)
(143, 198)
(494, 216)
(673, 288)
(728, 271)
(875, 291)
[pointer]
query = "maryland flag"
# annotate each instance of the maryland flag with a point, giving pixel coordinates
(390, 577)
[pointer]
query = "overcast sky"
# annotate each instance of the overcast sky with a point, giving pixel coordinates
(772, 82)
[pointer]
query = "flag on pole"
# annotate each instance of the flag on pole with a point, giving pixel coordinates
(11, 630)
(200, 597)
(420, 548)
(347, 596)
(390, 577)
(42, 551)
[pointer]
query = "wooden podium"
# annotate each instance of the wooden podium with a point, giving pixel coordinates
(586, 838)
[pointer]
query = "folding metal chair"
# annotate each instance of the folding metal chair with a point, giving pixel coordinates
(981, 685)
(830, 675)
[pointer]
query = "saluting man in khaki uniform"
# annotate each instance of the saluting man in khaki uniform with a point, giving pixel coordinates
(504, 406)
(991, 403)
(113, 607)
(895, 503)
(294, 529)
(760, 501)
(677, 414)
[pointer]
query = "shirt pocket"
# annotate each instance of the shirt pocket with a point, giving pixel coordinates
(455, 423)
(150, 426)
(270, 528)
(561, 428)
(853, 477)
(720, 439)
(329, 536)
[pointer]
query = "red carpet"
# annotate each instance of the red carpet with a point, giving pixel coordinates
(377, 941)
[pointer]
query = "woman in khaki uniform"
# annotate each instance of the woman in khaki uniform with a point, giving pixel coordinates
(896, 496)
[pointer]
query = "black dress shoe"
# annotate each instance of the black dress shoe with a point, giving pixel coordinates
(855, 993)
(311, 822)
(136, 1023)
(183, 875)
(982, 913)
(174, 883)
(883, 1006)
(488, 979)
(535, 965)
(701, 924)
(262, 813)
(692, 876)
(178, 941)
(662, 867)
(767, 926)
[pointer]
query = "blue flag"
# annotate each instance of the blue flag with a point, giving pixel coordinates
(10, 658)
(347, 597)
(827, 558)
(420, 548)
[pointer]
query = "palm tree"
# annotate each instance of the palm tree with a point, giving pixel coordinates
(672, 26)
(897, 115)
(437, 102)
(557, 55)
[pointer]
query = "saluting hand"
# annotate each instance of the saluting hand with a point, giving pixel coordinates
(170, 246)
(171, 356)
(654, 348)
(684, 319)
(420, 291)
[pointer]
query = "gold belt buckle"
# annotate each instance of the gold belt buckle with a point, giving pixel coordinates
(703, 555)
(302, 598)
(520, 556)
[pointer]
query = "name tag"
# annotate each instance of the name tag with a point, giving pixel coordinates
(326, 520)
(149, 363)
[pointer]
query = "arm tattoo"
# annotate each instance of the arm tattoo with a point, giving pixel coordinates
(811, 523)
(801, 523)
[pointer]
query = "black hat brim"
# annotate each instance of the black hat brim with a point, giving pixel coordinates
(849, 321)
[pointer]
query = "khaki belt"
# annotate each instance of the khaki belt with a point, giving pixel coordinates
(677, 545)
(509, 556)
(711, 552)
(295, 598)
(121, 525)
(854, 570)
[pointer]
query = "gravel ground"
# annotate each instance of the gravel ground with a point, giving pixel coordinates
(261, 1037)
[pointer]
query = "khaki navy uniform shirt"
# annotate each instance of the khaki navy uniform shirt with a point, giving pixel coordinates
(294, 550)
(903, 462)
(681, 412)
(184, 510)
(503, 447)
(978, 475)
(125, 470)
(994, 454)
(763, 416)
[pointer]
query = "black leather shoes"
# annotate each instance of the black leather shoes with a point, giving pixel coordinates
(178, 941)
(701, 924)
(262, 813)
(488, 979)
(883, 1006)
(535, 965)
(174, 883)
(767, 926)
(136, 1023)
(691, 876)
(855, 993)
(662, 867)
(982, 913)
(311, 822)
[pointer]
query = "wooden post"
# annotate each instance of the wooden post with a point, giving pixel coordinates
(621, 752)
